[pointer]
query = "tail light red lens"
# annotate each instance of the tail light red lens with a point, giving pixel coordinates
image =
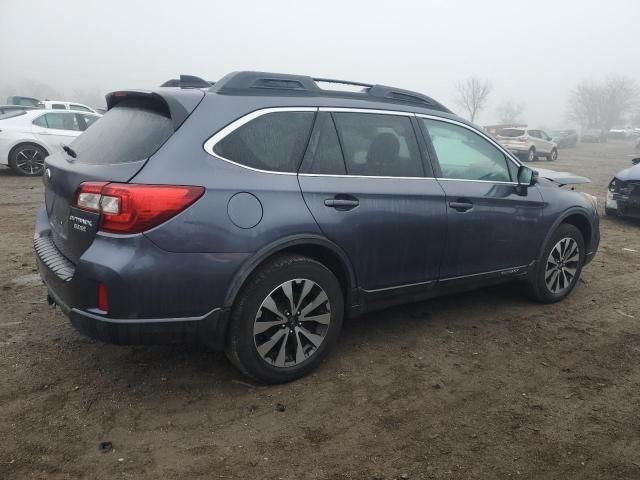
(134, 208)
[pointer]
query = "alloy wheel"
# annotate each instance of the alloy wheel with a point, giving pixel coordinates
(292, 322)
(562, 265)
(532, 155)
(30, 161)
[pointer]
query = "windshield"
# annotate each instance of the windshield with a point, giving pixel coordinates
(126, 133)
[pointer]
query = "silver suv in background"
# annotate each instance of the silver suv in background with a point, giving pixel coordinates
(528, 144)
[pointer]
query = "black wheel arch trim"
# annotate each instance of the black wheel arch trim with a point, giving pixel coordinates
(28, 142)
(560, 220)
(249, 266)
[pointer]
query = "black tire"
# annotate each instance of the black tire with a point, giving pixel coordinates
(27, 159)
(266, 283)
(531, 155)
(538, 288)
(553, 156)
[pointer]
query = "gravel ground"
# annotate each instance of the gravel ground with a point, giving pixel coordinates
(480, 385)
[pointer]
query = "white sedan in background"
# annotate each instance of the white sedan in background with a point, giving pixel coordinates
(28, 137)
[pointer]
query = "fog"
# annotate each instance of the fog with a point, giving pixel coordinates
(531, 52)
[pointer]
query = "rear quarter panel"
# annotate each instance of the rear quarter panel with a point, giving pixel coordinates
(206, 225)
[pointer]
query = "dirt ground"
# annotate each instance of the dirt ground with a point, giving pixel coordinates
(481, 385)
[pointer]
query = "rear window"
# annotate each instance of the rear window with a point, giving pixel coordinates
(126, 133)
(274, 142)
(511, 132)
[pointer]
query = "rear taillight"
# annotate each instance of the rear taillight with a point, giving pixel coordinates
(134, 208)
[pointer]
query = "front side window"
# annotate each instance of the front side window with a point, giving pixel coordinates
(62, 121)
(379, 145)
(465, 155)
(273, 142)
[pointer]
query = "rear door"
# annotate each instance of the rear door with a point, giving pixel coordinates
(56, 128)
(112, 150)
(364, 181)
(489, 223)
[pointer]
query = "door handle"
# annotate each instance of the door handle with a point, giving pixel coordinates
(461, 206)
(342, 202)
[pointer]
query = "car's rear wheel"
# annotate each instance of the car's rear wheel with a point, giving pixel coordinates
(531, 154)
(553, 156)
(558, 268)
(285, 319)
(27, 159)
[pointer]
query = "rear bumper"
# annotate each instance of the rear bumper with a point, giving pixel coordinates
(155, 297)
(209, 329)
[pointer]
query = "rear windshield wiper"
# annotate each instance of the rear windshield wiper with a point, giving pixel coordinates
(70, 151)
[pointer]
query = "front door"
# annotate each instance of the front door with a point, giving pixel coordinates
(489, 223)
(363, 180)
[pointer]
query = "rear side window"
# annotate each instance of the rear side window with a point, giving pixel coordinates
(379, 145)
(40, 121)
(324, 155)
(58, 106)
(126, 133)
(274, 141)
(62, 121)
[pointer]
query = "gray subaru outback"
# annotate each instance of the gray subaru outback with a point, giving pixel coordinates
(256, 214)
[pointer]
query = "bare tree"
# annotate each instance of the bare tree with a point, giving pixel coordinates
(603, 104)
(472, 95)
(510, 112)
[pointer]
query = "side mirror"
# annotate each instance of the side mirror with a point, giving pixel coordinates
(635, 161)
(526, 176)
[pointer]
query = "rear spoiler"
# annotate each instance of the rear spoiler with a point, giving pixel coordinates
(176, 105)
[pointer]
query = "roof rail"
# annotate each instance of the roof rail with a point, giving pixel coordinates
(342, 82)
(249, 82)
(187, 81)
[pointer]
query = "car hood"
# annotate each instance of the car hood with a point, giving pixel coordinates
(631, 173)
(563, 178)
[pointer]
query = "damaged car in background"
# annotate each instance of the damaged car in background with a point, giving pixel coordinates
(623, 197)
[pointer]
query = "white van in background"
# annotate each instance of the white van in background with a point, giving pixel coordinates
(59, 105)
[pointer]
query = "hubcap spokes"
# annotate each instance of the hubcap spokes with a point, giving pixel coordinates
(30, 161)
(562, 265)
(292, 322)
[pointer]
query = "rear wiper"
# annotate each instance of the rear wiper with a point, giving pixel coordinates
(70, 151)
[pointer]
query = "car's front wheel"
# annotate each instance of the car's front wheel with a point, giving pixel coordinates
(285, 319)
(559, 267)
(553, 156)
(27, 159)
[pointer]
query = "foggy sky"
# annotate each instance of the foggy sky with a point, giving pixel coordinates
(532, 51)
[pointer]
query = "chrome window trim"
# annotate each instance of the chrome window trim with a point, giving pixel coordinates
(366, 110)
(210, 144)
(363, 176)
